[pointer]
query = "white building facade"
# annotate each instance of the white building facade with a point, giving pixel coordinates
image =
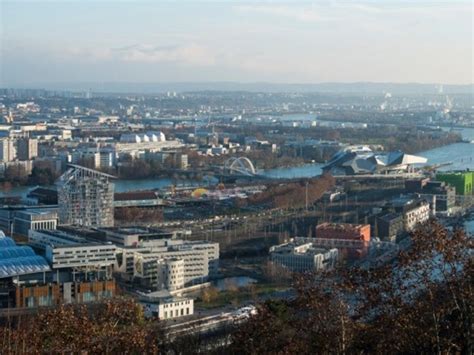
(298, 257)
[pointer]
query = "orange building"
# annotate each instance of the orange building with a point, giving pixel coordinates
(28, 296)
(343, 231)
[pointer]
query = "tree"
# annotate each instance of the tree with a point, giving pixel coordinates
(427, 299)
(422, 303)
(114, 326)
(16, 173)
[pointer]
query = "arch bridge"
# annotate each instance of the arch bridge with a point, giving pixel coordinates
(239, 166)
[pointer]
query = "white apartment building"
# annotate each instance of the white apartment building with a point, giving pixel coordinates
(301, 257)
(413, 216)
(7, 150)
(87, 154)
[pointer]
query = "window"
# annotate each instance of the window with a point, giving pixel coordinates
(30, 301)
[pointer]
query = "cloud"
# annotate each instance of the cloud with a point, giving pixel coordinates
(189, 54)
(342, 11)
(298, 13)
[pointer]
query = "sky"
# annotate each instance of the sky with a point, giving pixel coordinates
(242, 41)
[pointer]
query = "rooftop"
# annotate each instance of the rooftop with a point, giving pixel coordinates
(341, 226)
(19, 260)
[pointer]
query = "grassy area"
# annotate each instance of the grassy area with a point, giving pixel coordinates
(213, 298)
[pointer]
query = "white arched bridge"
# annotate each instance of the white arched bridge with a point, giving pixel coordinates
(239, 166)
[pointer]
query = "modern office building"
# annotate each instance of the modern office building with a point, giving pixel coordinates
(86, 197)
(27, 280)
(34, 219)
(134, 235)
(74, 253)
(41, 239)
(302, 256)
(18, 220)
(90, 257)
(148, 264)
(171, 274)
(461, 180)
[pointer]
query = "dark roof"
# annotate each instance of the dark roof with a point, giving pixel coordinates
(135, 195)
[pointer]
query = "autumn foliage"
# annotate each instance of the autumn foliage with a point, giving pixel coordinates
(112, 327)
(293, 194)
(421, 304)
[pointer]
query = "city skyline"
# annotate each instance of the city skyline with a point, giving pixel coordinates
(275, 42)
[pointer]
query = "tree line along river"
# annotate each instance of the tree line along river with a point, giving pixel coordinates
(460, 155)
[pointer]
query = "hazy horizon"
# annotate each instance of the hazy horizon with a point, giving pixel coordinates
(281, 43)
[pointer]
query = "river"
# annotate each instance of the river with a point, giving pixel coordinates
(461, 155)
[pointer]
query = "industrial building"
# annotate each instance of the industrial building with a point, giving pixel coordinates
(86, 198)
(302, 256)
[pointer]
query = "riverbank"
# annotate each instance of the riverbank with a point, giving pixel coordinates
(461, 155)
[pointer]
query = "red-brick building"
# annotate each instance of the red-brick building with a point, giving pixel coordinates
(349, 232)
(343, 231)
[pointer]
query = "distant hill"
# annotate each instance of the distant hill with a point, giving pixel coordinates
(335, 88)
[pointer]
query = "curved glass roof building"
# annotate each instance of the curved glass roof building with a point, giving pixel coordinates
(18, 260)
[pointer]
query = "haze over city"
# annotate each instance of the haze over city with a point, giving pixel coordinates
(236, 177)
(51, 42)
